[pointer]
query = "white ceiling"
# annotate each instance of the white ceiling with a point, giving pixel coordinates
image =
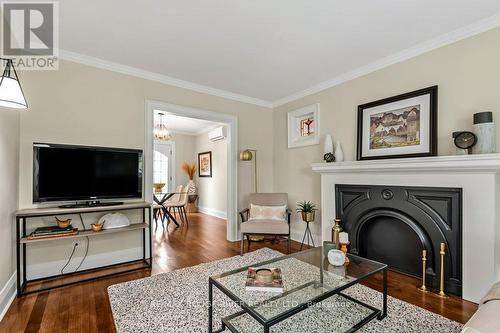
(264, 49)
(185, 125)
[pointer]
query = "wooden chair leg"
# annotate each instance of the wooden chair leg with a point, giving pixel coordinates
(179, 210)
(248, 241)
(185, 214)
(289, 245)
(242, 244)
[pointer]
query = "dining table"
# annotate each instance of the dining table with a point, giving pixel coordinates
(160, 199)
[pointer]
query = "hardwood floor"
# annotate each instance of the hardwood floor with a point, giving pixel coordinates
(85, 307)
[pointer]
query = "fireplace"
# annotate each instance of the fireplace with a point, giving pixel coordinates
(393, 224)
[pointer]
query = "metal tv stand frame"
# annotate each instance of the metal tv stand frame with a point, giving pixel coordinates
(22, 240)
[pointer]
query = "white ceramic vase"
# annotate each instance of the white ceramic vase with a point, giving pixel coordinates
(328, 147)
(191, 188)
(339, 153)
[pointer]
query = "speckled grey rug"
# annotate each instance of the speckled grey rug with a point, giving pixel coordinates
(177, 302)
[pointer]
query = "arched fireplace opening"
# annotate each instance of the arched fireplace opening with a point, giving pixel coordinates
(390, 240)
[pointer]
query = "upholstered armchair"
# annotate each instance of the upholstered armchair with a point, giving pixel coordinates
(267, 214)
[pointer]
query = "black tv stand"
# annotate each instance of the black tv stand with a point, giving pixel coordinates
(92, 204)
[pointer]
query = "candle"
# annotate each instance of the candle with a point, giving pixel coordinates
(343, 238)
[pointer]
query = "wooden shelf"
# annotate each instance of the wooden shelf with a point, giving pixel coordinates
(89, 233)
(48, 211)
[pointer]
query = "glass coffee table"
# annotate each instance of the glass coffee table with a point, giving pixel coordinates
(313, 296)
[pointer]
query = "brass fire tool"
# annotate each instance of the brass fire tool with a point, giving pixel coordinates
(423, 288)
(441, 281)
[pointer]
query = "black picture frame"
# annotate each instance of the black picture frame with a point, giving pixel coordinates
(433, 108)
(209, 175)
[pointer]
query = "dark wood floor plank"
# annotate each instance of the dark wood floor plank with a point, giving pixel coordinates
(85, 307)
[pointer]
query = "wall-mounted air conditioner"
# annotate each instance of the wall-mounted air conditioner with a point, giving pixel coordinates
(217, 134)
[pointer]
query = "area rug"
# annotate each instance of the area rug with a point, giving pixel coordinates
(177, 302)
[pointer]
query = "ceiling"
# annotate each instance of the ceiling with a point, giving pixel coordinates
(185, 125)
(265, 51)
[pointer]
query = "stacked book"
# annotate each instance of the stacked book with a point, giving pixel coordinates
(53, 231)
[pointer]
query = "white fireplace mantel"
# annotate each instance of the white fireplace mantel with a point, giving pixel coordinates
(458, 163)
(477, 175)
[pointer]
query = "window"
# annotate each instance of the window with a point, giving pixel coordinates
(160, 168)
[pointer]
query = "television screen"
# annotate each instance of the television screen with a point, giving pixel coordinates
(64, 173)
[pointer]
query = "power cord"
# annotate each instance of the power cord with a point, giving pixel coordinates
(74, 249)
(69, 259)
(88, 243)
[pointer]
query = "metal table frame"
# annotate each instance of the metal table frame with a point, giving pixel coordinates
(21, 248)
(161, 201)
(267, 323)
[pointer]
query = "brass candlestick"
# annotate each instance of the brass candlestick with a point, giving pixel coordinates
(441, 281)
(343, 248)
(336, 229)
(424, 267)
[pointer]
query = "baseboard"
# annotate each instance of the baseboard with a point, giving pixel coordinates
(50, 268)
(7, 295)
(213, 212)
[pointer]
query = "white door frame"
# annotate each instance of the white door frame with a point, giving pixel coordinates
(172, 167)
(232, 154)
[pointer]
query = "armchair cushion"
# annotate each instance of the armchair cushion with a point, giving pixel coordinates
(277, 213)
(265, 227)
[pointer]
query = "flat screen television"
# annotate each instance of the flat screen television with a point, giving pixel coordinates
(70, 173)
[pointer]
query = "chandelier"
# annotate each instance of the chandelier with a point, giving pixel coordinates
(160, 130)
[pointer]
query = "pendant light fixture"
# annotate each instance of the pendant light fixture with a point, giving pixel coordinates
(160, 131)
(11, 93)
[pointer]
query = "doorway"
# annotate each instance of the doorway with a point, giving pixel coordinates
(231, 154)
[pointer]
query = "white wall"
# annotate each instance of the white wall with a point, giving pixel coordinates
(9, 168)
(467, 73)
(212, 191)
(79, 104)
(184, 152)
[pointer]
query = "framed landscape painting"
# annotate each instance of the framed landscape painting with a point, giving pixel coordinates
(205, 164)
(399, 126)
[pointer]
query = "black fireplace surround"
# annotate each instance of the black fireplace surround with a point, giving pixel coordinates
(393, 224)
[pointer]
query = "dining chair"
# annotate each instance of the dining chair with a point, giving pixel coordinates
(178, 206)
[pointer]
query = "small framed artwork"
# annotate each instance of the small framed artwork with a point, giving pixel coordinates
(303, 126)
(205, 164)
(398, 127)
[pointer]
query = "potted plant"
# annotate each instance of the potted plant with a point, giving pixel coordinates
(307, 209)
(189, 169)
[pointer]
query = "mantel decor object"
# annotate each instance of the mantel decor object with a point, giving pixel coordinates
(484, 129)
(464, 141)
(328, 155)
(399, 126)
(339, 153)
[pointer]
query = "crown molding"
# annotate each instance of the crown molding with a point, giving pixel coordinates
(429, 45)
(143, 74)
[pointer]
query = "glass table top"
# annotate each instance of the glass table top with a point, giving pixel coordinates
(307, 277)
